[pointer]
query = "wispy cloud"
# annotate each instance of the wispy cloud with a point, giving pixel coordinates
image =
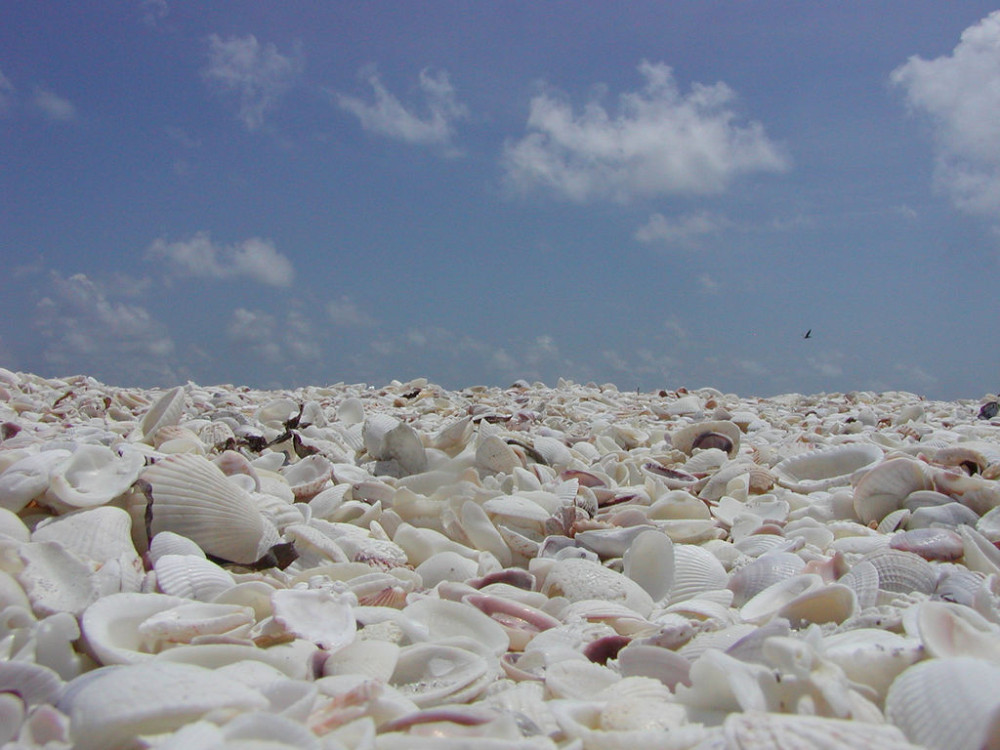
(83, 328)
(255, 259)
(386, 115)
(53, 106)
(263, 336)
(256, 74)
(960, 94)
(658, 141)
(682, 231)
(345, 312)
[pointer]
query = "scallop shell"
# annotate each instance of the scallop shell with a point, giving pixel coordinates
(193, 498)
(947, 704)
(872, 657)
(696, 570)
(754, 730)
(826, 467)
(97, 534)
(903, 572)
(113, 707)
(884, 488)
(169, 543)
(766, 570)
(649, 561)
(166, 411)
(191, 577)
(579, 579)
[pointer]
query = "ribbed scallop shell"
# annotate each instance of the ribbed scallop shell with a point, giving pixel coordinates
(97, 534)
(649, 561)
(193, 498)
(766, 570)
(696, 570)
(947, 704)
(579, 579)
(826, 467)
(903, 572)
(191, 577)
(754, 730)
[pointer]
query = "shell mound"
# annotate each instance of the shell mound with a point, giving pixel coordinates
(533, 567)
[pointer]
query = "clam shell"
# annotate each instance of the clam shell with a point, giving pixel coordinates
(770, 601)
(166, 411)
(696, 570)
(579, 579)
(111, 626)
(754, 730)
(430, 674)
(114, 706)
(308, 476)
(903, 572)
(932, 699)
(649, 561)
(27, 478)
(446, 619)
(885, 487)
(950, 630)
(721, 434)
(765, 571)
(316, 616)
(193, 498)
(826, 467)
(191, 577)
(93, 475)
(872, 657)
(55, 580)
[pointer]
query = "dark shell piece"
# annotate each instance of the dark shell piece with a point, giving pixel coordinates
(605, 648)
(708, 440)
(989, 410)
(517, 577)
(9, 430)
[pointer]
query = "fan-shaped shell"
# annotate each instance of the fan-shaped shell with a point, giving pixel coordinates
(826, 467)
(768, 569)
(721, 434)
(696, 570)
(192, 497)
(884, 488)
(947, 704)
(649, 561)
(578, 579)
(755, 730)
(903, 572)
(191, 577)
(166, 411)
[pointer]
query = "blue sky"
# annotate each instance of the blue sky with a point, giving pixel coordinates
(651, 194)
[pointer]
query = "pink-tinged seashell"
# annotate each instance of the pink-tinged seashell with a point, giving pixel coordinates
(521, 622)
(721, 434)
(826, 467)
(950, 630)
(431, 674)
(979, 494)
(930, 544)
(885, 487)
(947, 704)
(308, 476)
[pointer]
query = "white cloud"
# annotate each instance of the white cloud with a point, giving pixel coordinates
(960, 93)
(345, 312)
(272, 341)
(53, 106)
(256, 73)
(389, 117)
(6, 93)
(659, 141)
(684, 230)
(86, 331)
(254, 258)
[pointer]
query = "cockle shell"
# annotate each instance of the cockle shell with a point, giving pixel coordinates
(696, 570)
(191, 576)
(166, 411)
(931, 700)
(773, 731)
(192, 497)
(111, 707)
(649, 561)
(826, 467)
(902, 572)
(766, 570)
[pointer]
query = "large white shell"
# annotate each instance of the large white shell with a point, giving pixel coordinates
(430, 674)
(772, 731)
(192, 577)
(826, 467)
(111, 626)
(56, 580)
(28, 478)
(444, 619)
(111, 708)
(317, 616)
(721, 434)
(947, 704)
(165, 412)
(649, 561)
(97, 534)
(578, 579)
(193, 498)
(696, 570)
(884, 488)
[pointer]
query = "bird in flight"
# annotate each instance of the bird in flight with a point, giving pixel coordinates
(808, 334)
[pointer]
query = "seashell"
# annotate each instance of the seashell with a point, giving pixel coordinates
(494, 455)
(26, 479)
(696, 570)
(166, 411)
(12, 710)
(949, 514)
(431, 674)
(863, 578)
(308, 476)
(952, 630)
(578, 579)
(872, 657)
(885, 487)
(831, 603)
(191, 577)
(826, 467)
(93, 475)
(55, 580)
(187, 622)
(613, 542)
(97, 534)
(902, 572)
(578, 679)
(446, 619)
(373, 659)
(112, 707)
(519, 621)
(721, 434)
(769, 602)
(482, 533)
(12, 527)
(930, 699)
(979, 494)
(316, 616)
(111, 626)
(958, 584)
(649, 561)
(446, 566)
(193, 498)
(766, 570)
(33, 684)
(757, 545)
(169, 543)
(980, 554)
(758, 730)
(930, 544)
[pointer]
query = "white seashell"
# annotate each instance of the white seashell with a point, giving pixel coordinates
(613, 542)
(430, 674)
(55, 580)
(696, 570)
(831, 603)
(316, 616)
(579, 579)
(454, 437)
(446, 566)
(32, 683)
(826, 467)
(351, 411)
(403, 444)
(872, 657)
(308, 476)
(113, 707)
(93, 475)
(191, 577)
(444, 619)
(187, 622)
(885, 487)
(903, 572)
(951, 630)
(755, 730)
(769, 602)
(12, 527)
(766, 570)
(111, 626)
(521, 622)
(863, 579)
(649, 561)
(482, 533)
(97, 534)
(932, 699)
(721, 434)
(494, 455)
(193, 498)
(26, 479)
(980, 554)
(373, 659)
(166, 411)
(169, 543)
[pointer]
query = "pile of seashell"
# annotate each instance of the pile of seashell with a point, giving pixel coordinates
(529, 567)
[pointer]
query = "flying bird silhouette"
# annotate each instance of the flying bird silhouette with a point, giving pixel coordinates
(808, 334)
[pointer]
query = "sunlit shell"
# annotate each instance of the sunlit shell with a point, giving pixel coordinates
(191, 576)
(193, 498)
(766, 570)
(649, 561)
(93, 475)
(55, 580)
(167, 410)
(930, 700)
(431, 674)
(930, 544)
(696, 570)
(772, 731)
(316, 616)
(110, 626)
(579, 579)
(826, 467)
(884, 488)
(769, 602)
(26, 479)
(903, 572)
(721, 434)
(446, 619)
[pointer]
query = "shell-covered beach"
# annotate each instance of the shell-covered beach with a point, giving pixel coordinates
(567, 566)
